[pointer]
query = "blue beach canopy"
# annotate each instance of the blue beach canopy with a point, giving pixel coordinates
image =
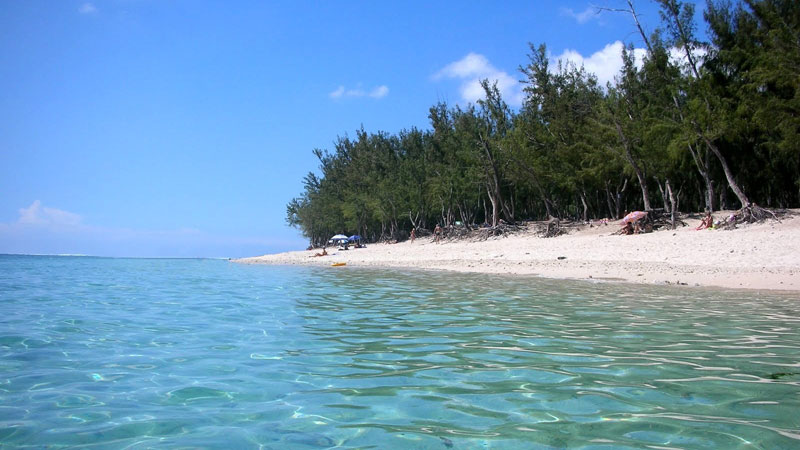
(354, 238)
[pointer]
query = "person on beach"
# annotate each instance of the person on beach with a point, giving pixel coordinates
(413, 234)
(707, 222)
(437, 233)
(324, 253)
(627, 229)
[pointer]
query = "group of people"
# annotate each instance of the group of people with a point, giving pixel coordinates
(635, 227)
(629, 228)
(437, 234)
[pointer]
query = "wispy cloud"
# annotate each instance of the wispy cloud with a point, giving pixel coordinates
(376, 92)
(87, 8)
(473, 68)
(44, 230)
(36, 214)
(379, 92)
(583, 16)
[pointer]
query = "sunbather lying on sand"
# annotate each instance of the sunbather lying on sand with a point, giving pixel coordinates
(324, 253)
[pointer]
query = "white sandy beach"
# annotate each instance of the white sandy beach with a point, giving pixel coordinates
(758, 256)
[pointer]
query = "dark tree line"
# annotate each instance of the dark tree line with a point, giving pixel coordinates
(717, 128)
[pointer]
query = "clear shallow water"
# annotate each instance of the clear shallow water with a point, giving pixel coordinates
(135, 353)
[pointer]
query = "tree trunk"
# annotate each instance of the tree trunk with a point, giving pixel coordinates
(493, 201)
(495, 194)
(412, 219)
(673, 206)
(639, 26)
(529, 170)
(585, 207)
(723, 198)
(639, 172)
(663, 192)
(467, 214)
(610, 203)
(616, 199)
(709, 186)
(728, 174)
(511, 208)
(702, 168)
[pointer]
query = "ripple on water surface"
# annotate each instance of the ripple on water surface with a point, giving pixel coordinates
(127, 352)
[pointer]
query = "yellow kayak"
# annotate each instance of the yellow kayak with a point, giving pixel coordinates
(338, 264)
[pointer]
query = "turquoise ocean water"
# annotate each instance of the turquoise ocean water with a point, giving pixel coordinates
(139, 353)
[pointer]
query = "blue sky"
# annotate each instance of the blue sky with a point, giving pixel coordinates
(182, 128)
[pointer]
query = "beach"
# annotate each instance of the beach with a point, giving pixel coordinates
(762, 256)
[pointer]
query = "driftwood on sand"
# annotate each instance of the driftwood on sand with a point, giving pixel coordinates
(750, 214)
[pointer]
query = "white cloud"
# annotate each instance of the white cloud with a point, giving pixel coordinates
(475, 67)
(605, 63)
(36, 214)
(581, 17)
(678, 56)
(379, 92)
(87, 8)
(470, 66)
(376, 92)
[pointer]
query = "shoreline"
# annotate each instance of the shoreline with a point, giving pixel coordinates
(764, 256)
